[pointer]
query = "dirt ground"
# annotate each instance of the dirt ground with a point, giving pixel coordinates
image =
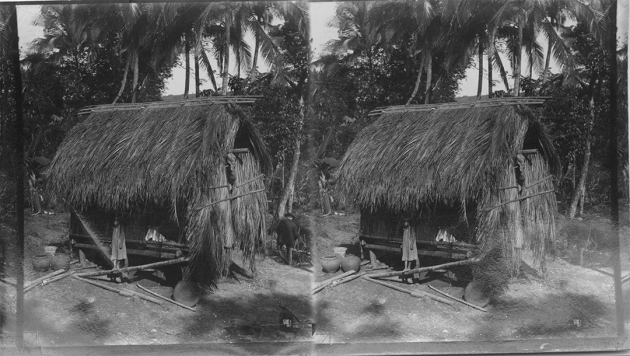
(571, 301)
(69, 312)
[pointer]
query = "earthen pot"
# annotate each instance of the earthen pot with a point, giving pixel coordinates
(60, 262)
(475, 295)
(41, 262)
(187, 293)
(330, 264)
(350, 262)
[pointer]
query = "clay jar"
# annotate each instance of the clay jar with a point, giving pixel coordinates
(187, 293)
(350, 262)
(60, 262)
(330, 264)
(41, 262)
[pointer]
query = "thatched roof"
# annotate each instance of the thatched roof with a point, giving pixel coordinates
(447, 153)
(150, 152)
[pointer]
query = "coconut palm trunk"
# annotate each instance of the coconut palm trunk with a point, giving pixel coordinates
(124, 80)
(197, 80)
(427, 91)
(418, 80)
(518, 60)
(187, 54)
(480, 60)
(504, 77)
(288, 188)
(136, 75)
(226, 55)
(295, 161)
(252, 71)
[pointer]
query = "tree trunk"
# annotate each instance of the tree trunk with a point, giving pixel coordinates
(226, 56)
(418, 80)
(491, 49)
(187, 53)
(504, 77)
(197, 81)
(480, 60)
(252, 71)
(136, 74)
(547, 60)
(124, 79)
(204, 56)
(518, 61)
(427, 92)
(578, 192)
(288, 188)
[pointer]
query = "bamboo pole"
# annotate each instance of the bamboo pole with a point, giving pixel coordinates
(521, 198)
(49, 275)
(457, 299)
(48, 281)
(469, 261)
(339, 281)
(230, 198)
(126, 293)
(135, 268)
(249, 181)
(330, 280)
(164, 298)
(416, 293)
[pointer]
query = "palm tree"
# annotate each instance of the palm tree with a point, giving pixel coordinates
(393, 20)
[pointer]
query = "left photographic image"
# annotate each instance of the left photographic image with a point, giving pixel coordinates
(161, 147)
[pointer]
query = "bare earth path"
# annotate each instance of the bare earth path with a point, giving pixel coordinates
(69, 312)
(571, 302)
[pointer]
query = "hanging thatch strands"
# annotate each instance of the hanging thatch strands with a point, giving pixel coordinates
(519, 199)
(230, 198)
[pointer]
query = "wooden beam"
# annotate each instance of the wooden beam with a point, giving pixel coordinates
(123, 292)
(164, 298)
(416, 293)
(423, 269)
(147, 253)
(443, 254)
(135, 268)
(421, 242)
(239, 150)
(457, 299)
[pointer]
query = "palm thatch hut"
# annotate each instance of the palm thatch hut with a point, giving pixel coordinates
(194, 169)
(482, 171)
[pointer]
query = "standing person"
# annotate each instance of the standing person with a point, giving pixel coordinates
(409, 248)
(119, 250)
(287, 231)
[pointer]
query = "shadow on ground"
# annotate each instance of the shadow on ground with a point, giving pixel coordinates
(370, 323)
(556, 315)
(244, 318)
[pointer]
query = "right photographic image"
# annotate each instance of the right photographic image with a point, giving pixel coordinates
(472, 175)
